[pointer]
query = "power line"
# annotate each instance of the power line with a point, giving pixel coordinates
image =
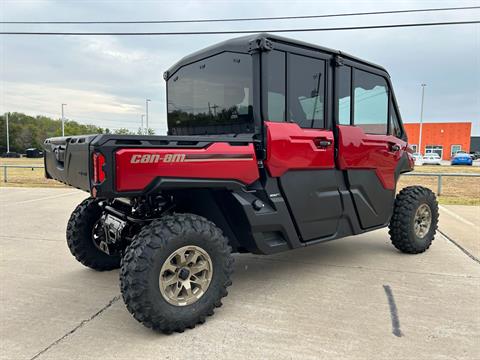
(243, 19)
(239, 31)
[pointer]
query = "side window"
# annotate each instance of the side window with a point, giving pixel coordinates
(276, 86)
(306, 91)
(395, 128)
(344, 87)
(370, 102)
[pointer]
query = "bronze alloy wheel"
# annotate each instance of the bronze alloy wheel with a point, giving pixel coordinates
(422, 220)
(186, 275)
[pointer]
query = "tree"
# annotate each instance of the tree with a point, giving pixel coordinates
(27, 131)
(123, 131)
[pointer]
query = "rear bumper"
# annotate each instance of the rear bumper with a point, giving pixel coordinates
(462, 162)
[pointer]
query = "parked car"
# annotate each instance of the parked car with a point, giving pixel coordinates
(418, 159)
(432, 159)
(475, 155)
(33, 153)
(462, 159)
(11, 155)
(459, 152)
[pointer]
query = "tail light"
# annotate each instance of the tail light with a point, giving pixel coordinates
(98, 172)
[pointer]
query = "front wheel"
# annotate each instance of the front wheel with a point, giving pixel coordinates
(414, 220)
(175, 272)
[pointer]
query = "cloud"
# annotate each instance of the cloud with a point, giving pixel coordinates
(106, 79)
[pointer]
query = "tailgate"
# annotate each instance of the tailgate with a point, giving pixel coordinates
(67, 159)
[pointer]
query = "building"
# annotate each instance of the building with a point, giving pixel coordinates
(475, 143)
(444, 139)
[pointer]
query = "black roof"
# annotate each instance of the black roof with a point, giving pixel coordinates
(243, 44)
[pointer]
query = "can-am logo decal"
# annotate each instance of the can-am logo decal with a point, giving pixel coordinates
(176, 158)
(155, 158)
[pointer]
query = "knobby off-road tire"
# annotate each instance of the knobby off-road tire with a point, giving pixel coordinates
(80, 237)
(151, 252)
(414, 220)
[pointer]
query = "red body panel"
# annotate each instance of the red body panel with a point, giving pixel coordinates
(291, 147)
(136, 168)
(358, 150)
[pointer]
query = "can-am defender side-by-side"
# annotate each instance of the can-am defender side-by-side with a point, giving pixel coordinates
(273, 145)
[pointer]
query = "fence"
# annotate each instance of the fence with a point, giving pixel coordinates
(440, 176)
(6, 167)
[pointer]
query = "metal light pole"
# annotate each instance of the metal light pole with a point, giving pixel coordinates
(146, 113)
(141, 127)
(8, 136)
(63, 121)
(421, 120)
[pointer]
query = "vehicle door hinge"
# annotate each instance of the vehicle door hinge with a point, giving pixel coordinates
(338, 60)
(259, 45)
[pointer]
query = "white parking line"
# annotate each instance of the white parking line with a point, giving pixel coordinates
(44, 198)
(456, 216)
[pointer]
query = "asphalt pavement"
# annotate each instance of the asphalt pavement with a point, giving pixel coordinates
(354, 298)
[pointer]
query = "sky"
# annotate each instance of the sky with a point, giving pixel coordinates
(105, 80)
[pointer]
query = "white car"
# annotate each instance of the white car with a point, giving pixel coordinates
(432, 159)
(418, 159)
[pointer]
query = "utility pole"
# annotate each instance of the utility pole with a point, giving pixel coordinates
(146, 114)
(8, 136)
(141, 127)
(215, 107)
(421, 120)
(63, 121)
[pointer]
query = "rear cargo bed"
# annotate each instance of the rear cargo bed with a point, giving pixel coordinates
(67, 160)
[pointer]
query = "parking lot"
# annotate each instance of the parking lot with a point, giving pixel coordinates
(353, 298)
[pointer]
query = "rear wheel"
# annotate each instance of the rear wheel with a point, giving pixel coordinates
(175, 272)
(86, 237)
(414, 220)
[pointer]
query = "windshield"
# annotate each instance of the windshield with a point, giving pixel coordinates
(212, 96)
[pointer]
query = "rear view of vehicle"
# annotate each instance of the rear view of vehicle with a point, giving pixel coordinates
(273, 145)
(432, 159)
(462, 159)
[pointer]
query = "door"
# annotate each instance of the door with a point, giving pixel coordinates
(370, 145)
(300, 140)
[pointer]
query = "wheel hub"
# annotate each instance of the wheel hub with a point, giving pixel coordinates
(422, 221)
(185, 276)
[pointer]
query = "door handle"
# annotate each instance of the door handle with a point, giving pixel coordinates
(394, 147)
(322, 143)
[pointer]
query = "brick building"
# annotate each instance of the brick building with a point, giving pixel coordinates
(441, 138)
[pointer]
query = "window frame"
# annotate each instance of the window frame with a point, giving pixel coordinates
(337, 110)
(329, 79)
(265, 90)
(433, 149)
(451, 149)
(289, 68)
(356, 65)
(352, 101)
(255, 69)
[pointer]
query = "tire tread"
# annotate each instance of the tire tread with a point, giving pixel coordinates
(405, 206)
(138, 259)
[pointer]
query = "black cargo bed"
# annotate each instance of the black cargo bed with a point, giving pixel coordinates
(67, 159)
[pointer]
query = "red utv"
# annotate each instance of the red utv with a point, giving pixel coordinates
(273, 144)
